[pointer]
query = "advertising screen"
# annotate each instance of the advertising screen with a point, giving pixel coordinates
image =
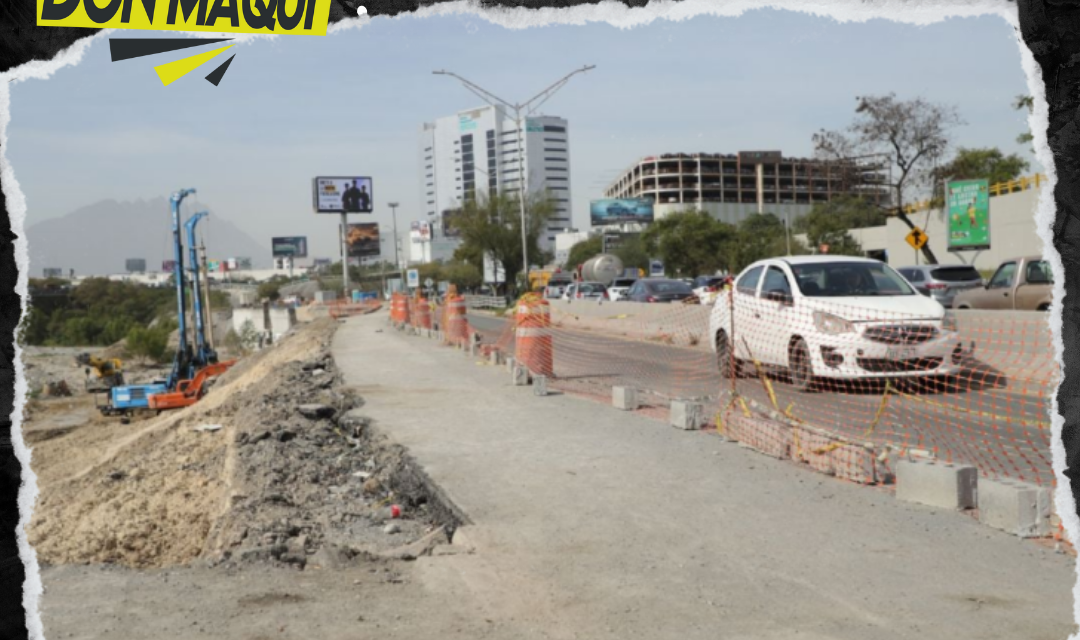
(135, 265)
(289, 247)
(53, 273)
(363, 240)
(969, 215)
(448, 224)
(168, 266)
(610, 211)
(343, 195)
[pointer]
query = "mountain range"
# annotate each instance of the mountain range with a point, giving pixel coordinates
(98, 239)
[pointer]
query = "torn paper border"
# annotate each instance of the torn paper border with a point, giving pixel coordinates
(619, 15)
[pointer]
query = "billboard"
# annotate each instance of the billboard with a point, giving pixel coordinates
(135, 265)
(351, 194)
(420, 232)
(467, 120)
(759, 157)
(323, 262)
(969, 215)
(448, 229)
(612, 241)
(168, 266)
(363, 240)
(613, 211)
(289, 247)
(241, 264)
(54, 273)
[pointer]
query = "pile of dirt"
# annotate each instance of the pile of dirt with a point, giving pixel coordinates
(115, 350)
(269, 466)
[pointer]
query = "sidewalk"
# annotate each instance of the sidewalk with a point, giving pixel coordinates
(592, 523)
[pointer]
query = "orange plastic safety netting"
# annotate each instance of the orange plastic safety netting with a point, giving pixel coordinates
(882, 369)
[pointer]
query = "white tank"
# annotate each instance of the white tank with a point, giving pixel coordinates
(603, 268)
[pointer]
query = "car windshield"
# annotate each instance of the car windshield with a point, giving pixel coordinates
(623, 283)
(669, 286)
(849, 279)
(591, 287)
(955, 274)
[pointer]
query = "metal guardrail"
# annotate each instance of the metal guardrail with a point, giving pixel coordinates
(484, 302)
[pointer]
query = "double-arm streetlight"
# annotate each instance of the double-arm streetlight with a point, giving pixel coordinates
(528, 107)
(397, 259)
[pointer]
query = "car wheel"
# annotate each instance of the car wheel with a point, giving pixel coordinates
(800, 367)
(729, 367)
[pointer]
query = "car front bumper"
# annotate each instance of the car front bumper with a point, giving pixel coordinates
(854, 356)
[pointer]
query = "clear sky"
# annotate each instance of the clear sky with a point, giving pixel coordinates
(352, 103)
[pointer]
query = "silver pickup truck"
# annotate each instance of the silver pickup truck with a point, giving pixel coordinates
(1021, 284)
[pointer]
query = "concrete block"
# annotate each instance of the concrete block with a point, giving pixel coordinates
(495, 357)
(760, 434)
(624, 398)
(539, 384)
(685, 415)
(510, 364)
(937, 485)
(520, 376)
(1019, 508)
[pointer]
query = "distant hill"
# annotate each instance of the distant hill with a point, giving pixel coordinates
(99, 238)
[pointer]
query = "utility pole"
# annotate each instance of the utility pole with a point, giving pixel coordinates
(397, 243)
(517, 108)
(345, 255)
(205, 274)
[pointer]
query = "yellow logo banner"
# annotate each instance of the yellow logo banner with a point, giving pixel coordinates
(283, 17)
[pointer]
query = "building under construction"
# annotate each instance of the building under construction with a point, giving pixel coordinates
(731, 186)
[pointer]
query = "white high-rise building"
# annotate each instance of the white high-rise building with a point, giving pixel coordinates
(478, 150)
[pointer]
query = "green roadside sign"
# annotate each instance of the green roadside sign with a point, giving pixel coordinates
(969, 215)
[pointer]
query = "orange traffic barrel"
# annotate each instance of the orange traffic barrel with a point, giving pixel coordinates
(423, 314)
(456, 325)
(395, 308)
(404, 306)
(532, 335)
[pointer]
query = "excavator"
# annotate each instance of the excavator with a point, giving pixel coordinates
(192, 367)
(109, 372)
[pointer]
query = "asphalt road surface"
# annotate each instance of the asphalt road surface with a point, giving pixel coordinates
(973, 421)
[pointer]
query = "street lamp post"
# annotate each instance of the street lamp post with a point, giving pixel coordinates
(517, 108)
(397, 258)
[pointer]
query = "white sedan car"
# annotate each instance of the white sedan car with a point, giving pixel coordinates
(832, 317)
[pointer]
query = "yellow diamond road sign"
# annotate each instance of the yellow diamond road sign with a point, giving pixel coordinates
(917, 239)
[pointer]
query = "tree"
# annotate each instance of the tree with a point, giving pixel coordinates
(1021, 103)
(830, 223)
(631, 251)
(491, 223)
(690, 243)
(584, 250)
(989, 163)
(758, 237)
(913, 133)
(149, 343)
(270, 288)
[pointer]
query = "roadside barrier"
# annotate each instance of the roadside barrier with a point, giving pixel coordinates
(532, 337)
(422, 314)
(456, 324)
(972, 389)
(344, 309)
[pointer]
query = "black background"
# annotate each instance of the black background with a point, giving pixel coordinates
(1051, 29)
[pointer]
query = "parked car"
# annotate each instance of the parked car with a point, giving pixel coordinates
(659, 290)
(585, 291)
(706, 287)
(1022, 284)
(619, 287)
(556, 286)
(833, 317)
(942, 282)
